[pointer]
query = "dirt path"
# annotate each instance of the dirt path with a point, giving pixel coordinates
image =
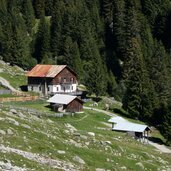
(161, 148)
(102, 111)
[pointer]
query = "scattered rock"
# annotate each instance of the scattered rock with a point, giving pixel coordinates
(20, 115)
(26, 126)
(87, 143)
(123, 168)
(103, 143)
(66, 131)
(2, 132)
(91, 133)
(60, 152)
(84, 137)
(79, 160)
(70, 127)
(140, 165)
(9, 132)
(8, 166)
(13, 111)
(49, 120)
(100, 169)
(108, 160)
(108, 142)
(77, 134)
(13, 121)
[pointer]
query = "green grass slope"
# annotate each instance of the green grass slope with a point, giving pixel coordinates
(82, 142)
(13, 74)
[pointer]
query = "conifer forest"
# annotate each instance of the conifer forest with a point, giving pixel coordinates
(119, 48)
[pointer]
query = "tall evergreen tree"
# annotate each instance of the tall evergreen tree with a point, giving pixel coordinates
(56, 29)
(166, 124)
(39, 8)
(28, 14)
(42, 52)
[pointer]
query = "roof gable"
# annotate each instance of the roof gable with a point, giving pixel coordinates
(61, 99)
(122, 124)
(49, 71)
(130, 127)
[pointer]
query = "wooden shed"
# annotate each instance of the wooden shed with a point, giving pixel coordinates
(66, 103)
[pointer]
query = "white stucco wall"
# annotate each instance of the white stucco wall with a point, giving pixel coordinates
(34, 88)
(53, 88)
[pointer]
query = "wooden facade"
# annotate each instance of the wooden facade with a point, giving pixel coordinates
(75, 106)
(51, 79)
(65, 76)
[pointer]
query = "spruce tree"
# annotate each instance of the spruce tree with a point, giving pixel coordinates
(28, 15)
(39, 8)
(56, 29)
(111, 84)
(42, 52)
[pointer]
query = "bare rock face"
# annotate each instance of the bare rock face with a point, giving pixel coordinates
(79, 160)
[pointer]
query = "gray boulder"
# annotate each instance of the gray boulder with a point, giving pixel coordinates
(13, 111)
(2, 132)
(79, 160)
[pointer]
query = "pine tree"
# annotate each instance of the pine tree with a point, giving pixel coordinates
(39, 8)
(56, 29)
(134, 67)
(158, 73)
(72, 56)
(111, 84)
(28, 14)
(108, 10)
(42, 52)
(119, 27)
(49, 7)
(166, 124)
(95, 76)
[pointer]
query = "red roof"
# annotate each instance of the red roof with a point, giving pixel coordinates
(49, 71)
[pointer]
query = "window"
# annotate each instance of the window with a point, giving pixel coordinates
(72, 87)
(72, 79)
(57, 88)
(48, 88)
(64, 80)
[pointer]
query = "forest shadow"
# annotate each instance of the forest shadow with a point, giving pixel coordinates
(156, 140)
(49, 107)
(122, 113)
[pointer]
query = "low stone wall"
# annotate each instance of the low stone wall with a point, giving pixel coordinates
(5, 92)
(36, 112)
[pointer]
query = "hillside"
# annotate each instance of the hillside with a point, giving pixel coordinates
(31, 141)
(82, 142)
(118, 48)
(12, 77)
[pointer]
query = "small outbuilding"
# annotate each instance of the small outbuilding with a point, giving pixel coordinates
(66, 103)
(140, 131)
